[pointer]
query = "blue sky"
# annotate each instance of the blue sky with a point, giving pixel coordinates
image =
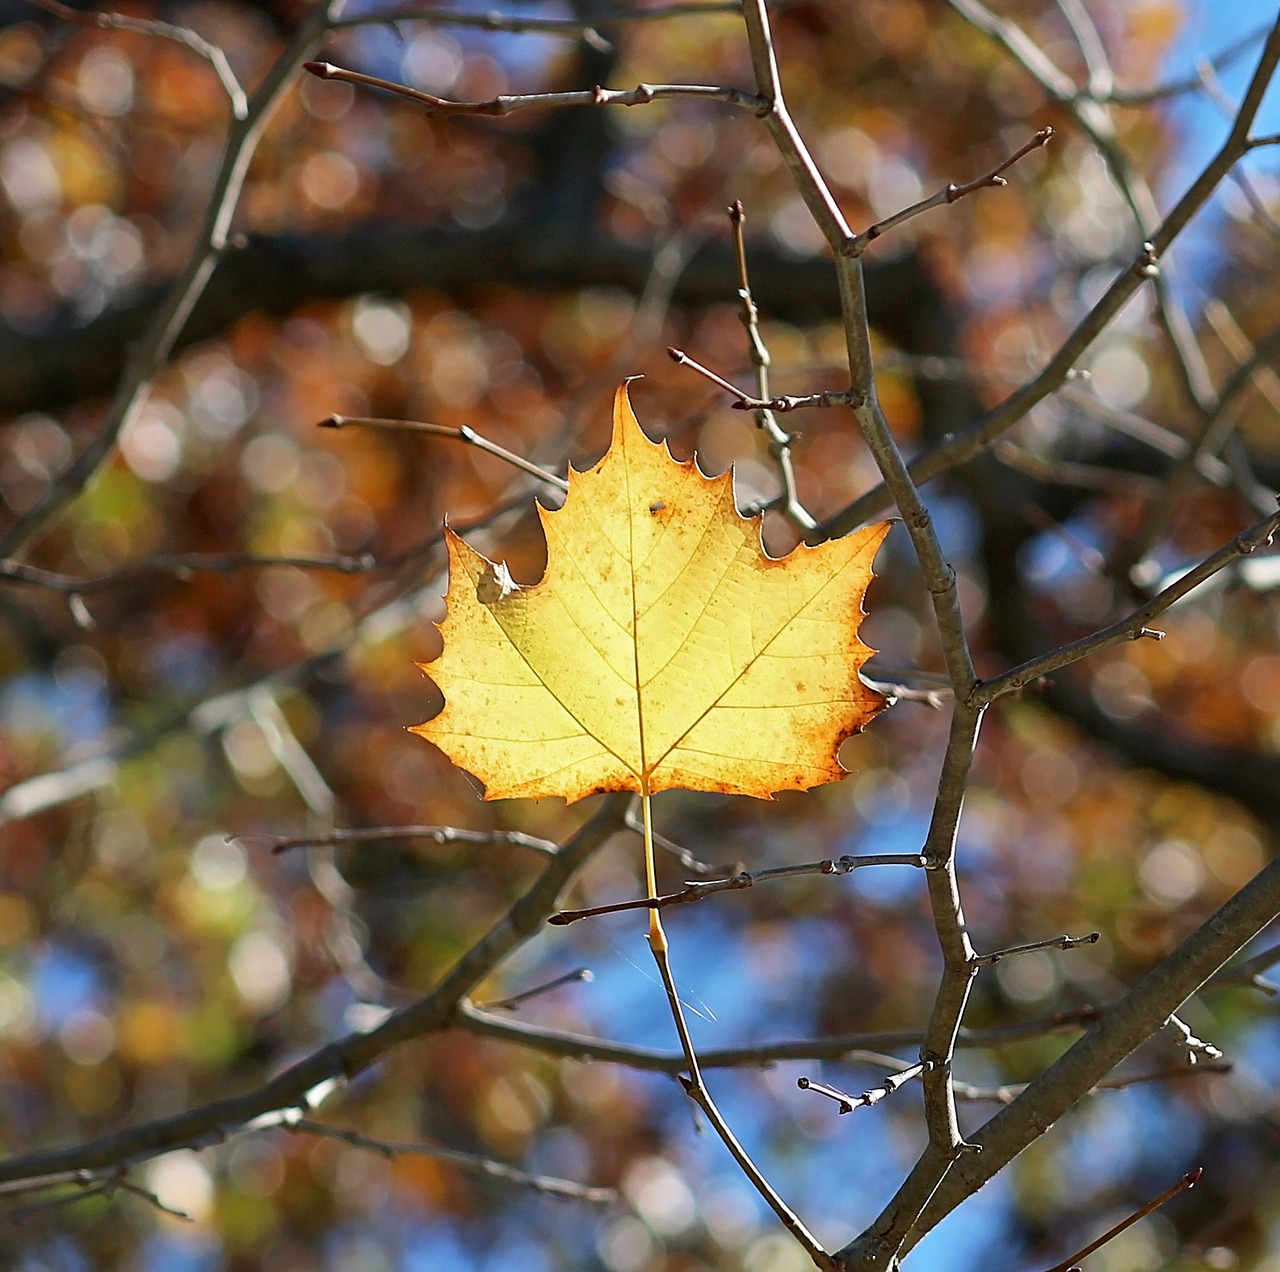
(1212, 26)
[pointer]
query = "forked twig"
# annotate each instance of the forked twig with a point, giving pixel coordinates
(1135, 626)
(779, 439)
(168, 322)
(745, 402)
(847, 1103)
(959, 449)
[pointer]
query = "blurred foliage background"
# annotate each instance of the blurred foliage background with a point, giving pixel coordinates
(169, 703)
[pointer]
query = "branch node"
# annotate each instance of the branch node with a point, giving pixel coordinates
(1147, 265)
(80, 612)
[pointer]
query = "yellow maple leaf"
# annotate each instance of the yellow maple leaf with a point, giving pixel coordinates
(662, 648)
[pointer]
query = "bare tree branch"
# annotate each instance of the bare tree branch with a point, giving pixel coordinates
(1188, 1180)
(1135, 626)
(305, 1084)
(201, 47)
(949, 194)
(162, 334)
(641, 95)
(868, 1048)
(568, 27)
(473, 1162)
(372, 834)
(1148, 1004)
(745, 879)
(960, 450)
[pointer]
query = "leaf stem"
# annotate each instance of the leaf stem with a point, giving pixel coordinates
(657, 937)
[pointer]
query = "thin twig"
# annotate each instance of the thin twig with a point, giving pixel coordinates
(460, 434)
(213, 239)
(474, 1162)
(745, 402)
(182, 566)
(374, 834)
(1053, 943)
(201, 47)
(797, 401)
(304, 1084)
(1254, 361)
(1190, 83)
(100, 1183)
(744, 879)
(19, 1216)
(865, 1047)
(1061, 472)
(1197, 1049)
(1011, 1091)
(506, 103)
(1250, 973)
(345, 935)
(780, 440)
(121, 1182)
(960, 449)
(678, 851)
(680, 358)
(571, 28)
(848, 1103)
(1089, 41)
(1189, 1180)
(949, 193)
(1163, 441)
(579, 976)
(1135, 626)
